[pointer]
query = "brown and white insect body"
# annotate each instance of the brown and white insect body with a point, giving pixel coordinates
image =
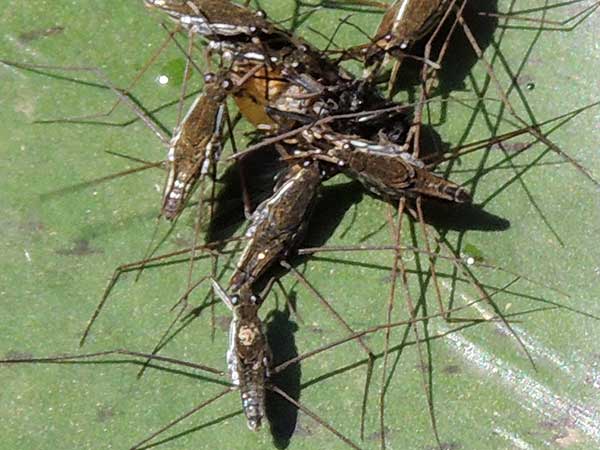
(214, 18)
(248, 355)
(279, 223)
(196, 145)
(385, 168)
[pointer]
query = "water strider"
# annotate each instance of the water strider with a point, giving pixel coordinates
(279, 223)
(196, 144)
(384, 168)
(276, 228)
(404, 23)
(248, 356)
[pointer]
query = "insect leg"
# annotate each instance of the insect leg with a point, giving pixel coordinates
(99, 73)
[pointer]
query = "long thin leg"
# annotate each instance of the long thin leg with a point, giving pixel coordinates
(134, 81)
(557, 25)
(323, 302)
(451, 258)
(82, 356)
(533, 130)
(74, 358)
(186, 75)
(432, 258)
(315, 417)
(370, 3)
(289, 303)
(412, 311)
(241, 169)
(475, 282)
(390, 308)
(99, 73)
(163, 338)
(344, 324)
(182, 417)
(375, 329)
(135, 266)
(465, 149)
(427, 74)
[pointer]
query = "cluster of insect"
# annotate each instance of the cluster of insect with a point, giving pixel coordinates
(320, 120)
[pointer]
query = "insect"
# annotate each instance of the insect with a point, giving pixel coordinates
(404, 23)
(196, 144)
(215, 18)
(279, 223)
(291, 72)
(277, 226)
(386, 169)
(248, 356)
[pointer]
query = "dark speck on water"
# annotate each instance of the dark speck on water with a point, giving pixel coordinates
(451, 369)
(377, 435)
(81, 247)
(33, 226)
(104, 413)
(33, 35)
(303, 429)
(512, 147)
(14, 354)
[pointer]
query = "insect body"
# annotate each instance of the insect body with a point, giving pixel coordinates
(261, 60)
(405, 22)
(248, 356)
(214, 17)
(276, 227)
(278, 223)
(196, 144)
(293, 75)
(384, 168)
(246, 39)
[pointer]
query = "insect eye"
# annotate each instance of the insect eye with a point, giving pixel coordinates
(235, 299)
(261, 13)
(209, 77)
(227, 84)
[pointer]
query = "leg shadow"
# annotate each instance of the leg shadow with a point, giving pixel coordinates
(282, 415)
